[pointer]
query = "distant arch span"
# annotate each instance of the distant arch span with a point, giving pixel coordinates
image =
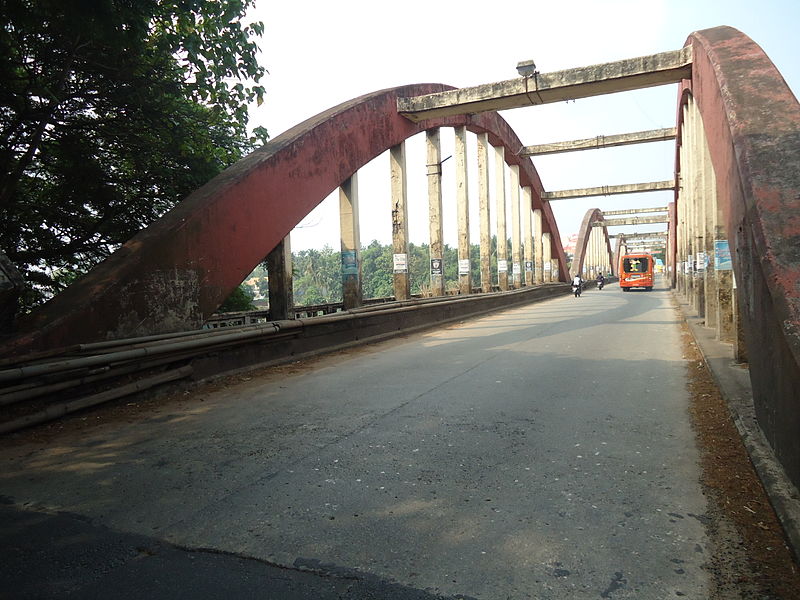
(173, 275)
(585, 232)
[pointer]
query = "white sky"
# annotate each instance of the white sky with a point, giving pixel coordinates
(320, 53)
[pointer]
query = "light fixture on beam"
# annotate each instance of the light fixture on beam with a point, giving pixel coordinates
(526, 68)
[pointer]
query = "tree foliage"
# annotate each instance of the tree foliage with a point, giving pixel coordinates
(241, 299)
(111, 111)
(317, 274)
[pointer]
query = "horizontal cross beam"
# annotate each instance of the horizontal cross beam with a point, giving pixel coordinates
(610, 190)
(631, 221)
(642, 235)
(558, 86)
(635, 211)
(601, 141)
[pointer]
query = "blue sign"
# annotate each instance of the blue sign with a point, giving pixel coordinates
(349, 262)
(722, 256)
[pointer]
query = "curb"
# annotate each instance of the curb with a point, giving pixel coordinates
(733, 382)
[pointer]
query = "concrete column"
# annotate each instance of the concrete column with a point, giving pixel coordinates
(685, 203)
(709, 198)
(500, 199)
(547, 257)
(434, 165)
(527, 237)
(281, 292)
(699, 204)
(462, 201)
(692, 209)
(397, 165)
(349, 229)
(483, 203)
(515, 228)
(538, 263)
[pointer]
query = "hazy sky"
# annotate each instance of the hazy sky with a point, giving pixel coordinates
(321, 53)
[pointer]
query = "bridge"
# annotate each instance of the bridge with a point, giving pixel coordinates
(730, 237)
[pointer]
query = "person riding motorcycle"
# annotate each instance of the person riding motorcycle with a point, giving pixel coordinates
(577, 285)
(600, 281)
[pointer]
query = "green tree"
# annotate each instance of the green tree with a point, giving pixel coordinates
(111, 111)
(377, 270)
(317, 277)
(241, 299)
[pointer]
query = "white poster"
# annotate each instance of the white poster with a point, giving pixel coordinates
(463, 266)
(548, 266)
(400, 263)
(502, 266)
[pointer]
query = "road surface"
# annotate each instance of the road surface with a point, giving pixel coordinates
(542, 452)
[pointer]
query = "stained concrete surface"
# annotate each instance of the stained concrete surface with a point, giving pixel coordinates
(542, 452)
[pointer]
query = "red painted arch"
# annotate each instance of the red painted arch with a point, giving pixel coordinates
(752, 123)
(176, 272)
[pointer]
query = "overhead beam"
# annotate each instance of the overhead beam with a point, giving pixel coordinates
(631, 221)
(643, 235)
(558, 86)
(610, 190)
(635, 211)
(601, 141)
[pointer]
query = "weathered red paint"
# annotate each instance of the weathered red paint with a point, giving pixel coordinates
(752, 124)
(174, 274)
(593, 214)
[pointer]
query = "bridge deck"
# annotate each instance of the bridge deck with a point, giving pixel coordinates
(545, 450)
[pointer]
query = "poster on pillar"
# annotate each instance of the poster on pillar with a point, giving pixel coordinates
(463, 266)
(722, 256)
(502, 266)
(400, 262)
(701, 259)
(349, 262)
(529, 266)
(517, 269)
(436, 266)
(547, 266)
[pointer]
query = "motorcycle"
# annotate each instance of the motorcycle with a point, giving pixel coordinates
(576, 289)
(600, 284)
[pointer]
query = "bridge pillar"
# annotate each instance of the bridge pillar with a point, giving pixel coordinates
(708, 282)
(500, 199)
(683, 221)
(547, 257)
(527, 239)
(349, 228)
(434, 165)
(462, 202)
(397, 164)
(538, 263)
(709, 201)
(279, 270)
(516, 269)
(483, 204)
(698, 210)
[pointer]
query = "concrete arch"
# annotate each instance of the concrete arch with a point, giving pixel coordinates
(176, 272)
(751, 121)
(585, 232)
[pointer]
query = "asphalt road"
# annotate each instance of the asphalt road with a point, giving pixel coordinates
(542, 452)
